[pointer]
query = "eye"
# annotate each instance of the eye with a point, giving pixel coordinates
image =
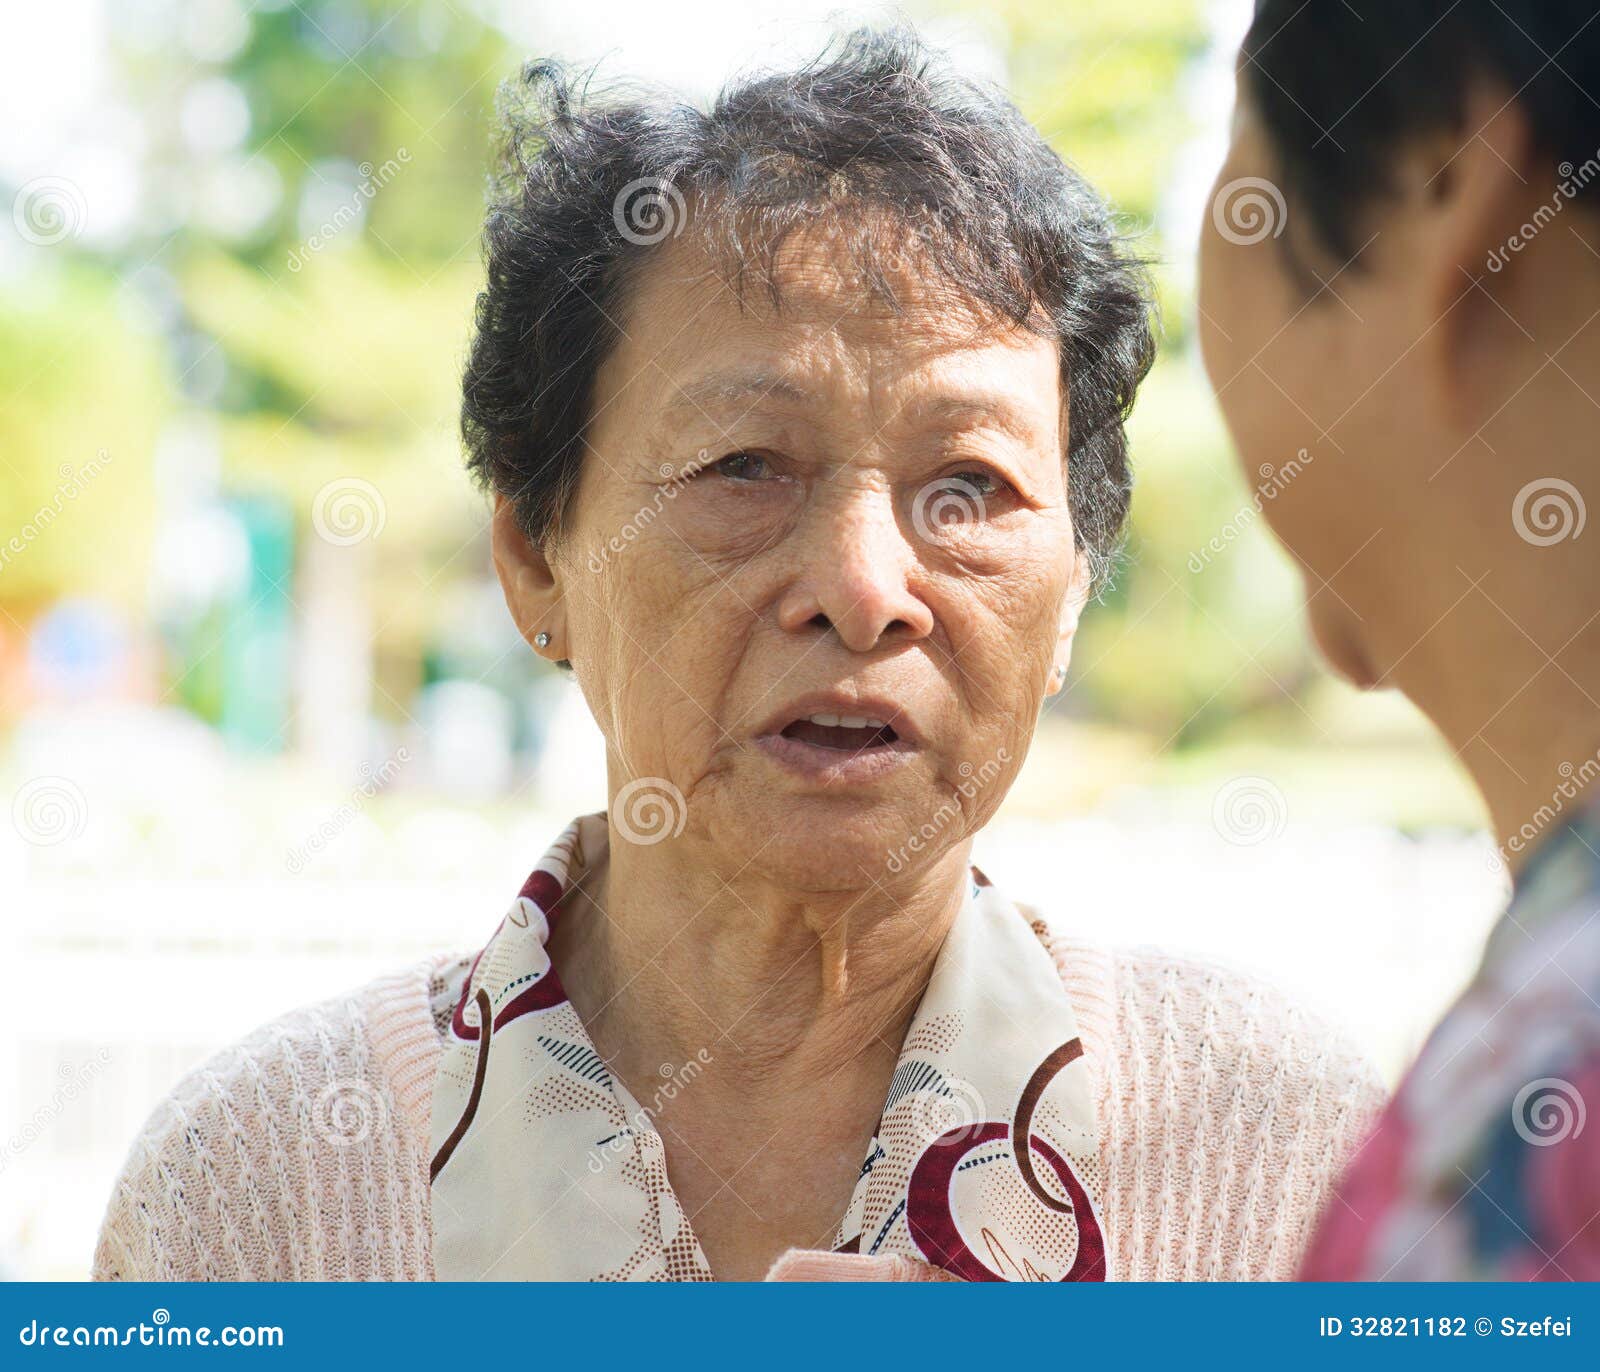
(978, 483)
(966, 498)
(979, 491)
(743, 466)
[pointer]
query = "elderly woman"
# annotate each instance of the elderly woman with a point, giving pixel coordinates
(803, 420)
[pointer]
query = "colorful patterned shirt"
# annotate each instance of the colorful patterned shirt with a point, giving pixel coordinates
(985, 1164)
(1486, 1165)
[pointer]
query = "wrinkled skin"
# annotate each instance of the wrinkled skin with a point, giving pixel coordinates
(874, 502)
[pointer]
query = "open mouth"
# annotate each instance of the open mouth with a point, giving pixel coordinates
(844, 733)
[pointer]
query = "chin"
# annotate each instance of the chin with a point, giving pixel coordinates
(822, 842)
(1342, 644)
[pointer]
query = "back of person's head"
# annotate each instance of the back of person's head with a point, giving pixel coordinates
(1400, 283)
(1341, 87)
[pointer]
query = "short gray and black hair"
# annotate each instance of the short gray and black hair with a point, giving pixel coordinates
(874, 130)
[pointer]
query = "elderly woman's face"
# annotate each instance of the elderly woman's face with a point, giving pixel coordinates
(820, 563)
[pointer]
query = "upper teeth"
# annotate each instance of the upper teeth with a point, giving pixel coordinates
(848, 722)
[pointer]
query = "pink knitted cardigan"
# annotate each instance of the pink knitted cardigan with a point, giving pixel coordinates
(302, 1152)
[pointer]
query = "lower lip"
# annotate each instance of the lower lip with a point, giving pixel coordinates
(835, 766)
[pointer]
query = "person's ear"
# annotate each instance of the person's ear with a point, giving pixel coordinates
(531, 586)
(1475, 189)
(1071, 612)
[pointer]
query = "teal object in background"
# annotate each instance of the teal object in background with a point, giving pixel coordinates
(257, 637)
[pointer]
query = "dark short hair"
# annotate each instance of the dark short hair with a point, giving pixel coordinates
(873, 129)
(1342, 87)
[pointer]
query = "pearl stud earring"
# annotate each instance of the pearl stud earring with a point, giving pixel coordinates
(541, 639)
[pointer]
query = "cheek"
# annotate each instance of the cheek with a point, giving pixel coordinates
(1002, 621)
(1243, 307)
(1299, 518)
(1230, 267)
(1217, 306)
(726, 524)
(1272, 362)
(1331, 514)
(656, 636)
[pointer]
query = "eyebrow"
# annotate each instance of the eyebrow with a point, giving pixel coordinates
(1003, 409)
(750, 388)
(728, 388)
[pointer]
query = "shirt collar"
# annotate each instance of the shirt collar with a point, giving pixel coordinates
(985, 1161)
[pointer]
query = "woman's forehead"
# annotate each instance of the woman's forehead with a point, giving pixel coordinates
(1011, 384)
(872, 270)
(1014, 391)
(713, 341)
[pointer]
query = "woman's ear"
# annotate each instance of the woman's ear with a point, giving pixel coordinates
(1475, 189)
(531, 586)
(1071, 612)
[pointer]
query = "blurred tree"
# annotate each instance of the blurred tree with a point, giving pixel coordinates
(1103, 83)
(83, 390)
(303, 268)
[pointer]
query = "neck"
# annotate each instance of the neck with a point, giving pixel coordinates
(670, 954)
(1513, 682)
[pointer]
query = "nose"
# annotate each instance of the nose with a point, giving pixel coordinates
(856, 576)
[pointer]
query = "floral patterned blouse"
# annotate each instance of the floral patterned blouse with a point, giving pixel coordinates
(985, 1164)
(1486, 1164)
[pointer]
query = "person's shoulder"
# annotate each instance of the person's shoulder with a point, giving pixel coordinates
(1218, 1021)
(1229, 1108)
(257, 1160)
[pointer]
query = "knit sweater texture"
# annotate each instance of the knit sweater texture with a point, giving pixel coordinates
(301, 1153)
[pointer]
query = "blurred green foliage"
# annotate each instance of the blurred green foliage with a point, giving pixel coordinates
(83, 389)
(324, 336)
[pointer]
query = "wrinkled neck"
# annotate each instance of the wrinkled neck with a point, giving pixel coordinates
(667, 955)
